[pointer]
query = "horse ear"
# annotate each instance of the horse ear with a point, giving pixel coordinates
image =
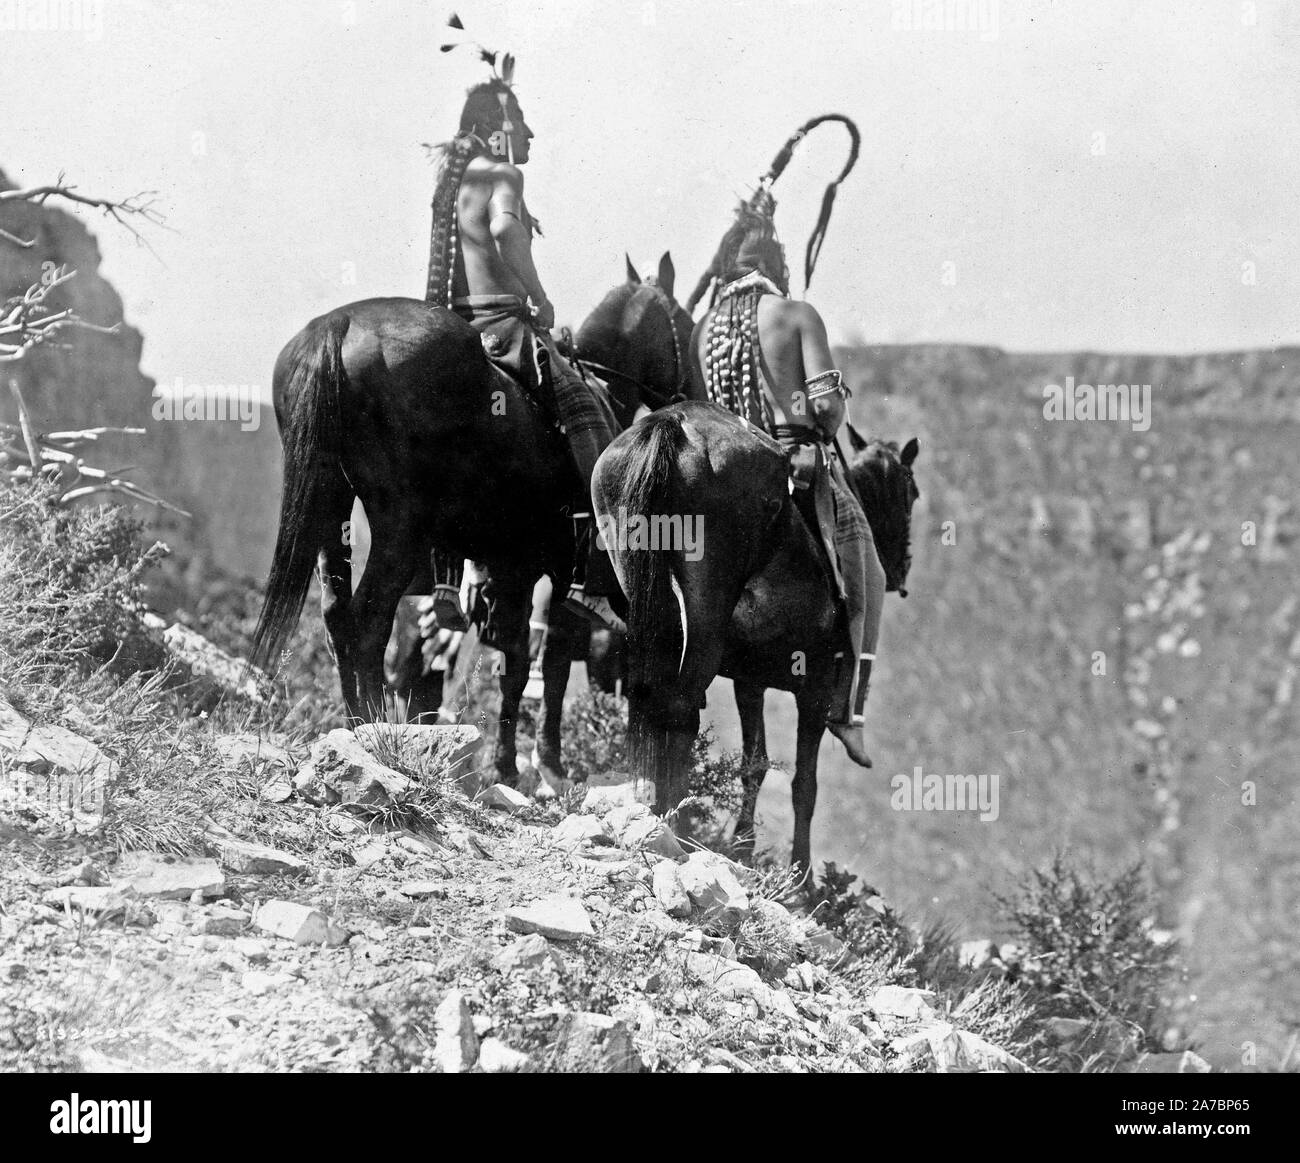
(855, 439)
(667, 273)
(910, 449)
(632, 276)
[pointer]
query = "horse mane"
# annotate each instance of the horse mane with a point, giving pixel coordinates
(887, 488)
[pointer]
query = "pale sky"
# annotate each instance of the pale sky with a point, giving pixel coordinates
(1098, 174)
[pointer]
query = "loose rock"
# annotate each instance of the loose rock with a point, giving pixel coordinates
(595, 1044)
(179, 879)
(669, 891)
(350, 774)
(573, 831)
(455, 1045)
(298, 923)
(560, 918)
(422, 889)
(256, 951)
(731, 980)
(900, 1001)
(652, 835)
(495, 1057)
(713, 887)
(502, 798)
(258, 860)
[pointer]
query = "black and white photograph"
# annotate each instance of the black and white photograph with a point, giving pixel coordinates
(664, 537)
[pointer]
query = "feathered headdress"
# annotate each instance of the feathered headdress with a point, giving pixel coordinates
(762, 202)
(501, 64)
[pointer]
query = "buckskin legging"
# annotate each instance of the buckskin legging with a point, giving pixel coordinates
(860, 575)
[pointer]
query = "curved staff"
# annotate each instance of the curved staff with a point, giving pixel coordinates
(762, 196)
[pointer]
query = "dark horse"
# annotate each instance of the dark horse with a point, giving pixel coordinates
(757, 604)
(394, 402)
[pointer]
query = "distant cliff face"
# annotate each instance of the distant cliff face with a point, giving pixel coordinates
(1246, 385)
(230, 485)
(93, 379)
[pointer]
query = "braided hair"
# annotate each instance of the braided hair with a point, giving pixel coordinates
(480, 116)
(731, 360)
(749, 247)
(453, 158)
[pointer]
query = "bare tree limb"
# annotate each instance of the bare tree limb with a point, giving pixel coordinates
(139, 206)
(25, 243)
(25, 421)
(26, 322)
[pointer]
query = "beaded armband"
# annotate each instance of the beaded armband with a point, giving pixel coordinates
(826, 384)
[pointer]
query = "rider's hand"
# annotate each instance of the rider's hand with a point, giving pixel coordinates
(544, 316)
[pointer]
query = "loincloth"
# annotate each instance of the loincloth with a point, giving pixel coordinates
(529, 357)
(829, 501)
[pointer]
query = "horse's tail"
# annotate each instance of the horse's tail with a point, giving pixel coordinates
(657, 623)
(312, 440)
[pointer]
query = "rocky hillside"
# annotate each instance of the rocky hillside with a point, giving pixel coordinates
(352, 915)
(196, 874)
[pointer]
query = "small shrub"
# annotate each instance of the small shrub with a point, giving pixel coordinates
(1088, 950)
(71, 585)
(861, 919)
(595, 735)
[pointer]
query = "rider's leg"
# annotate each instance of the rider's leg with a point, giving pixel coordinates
(594, 579)
(588, 431)
(864, 584)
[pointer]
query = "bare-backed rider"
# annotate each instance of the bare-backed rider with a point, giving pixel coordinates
(767, 358)
(482, 266)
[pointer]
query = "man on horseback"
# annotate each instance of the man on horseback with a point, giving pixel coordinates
(767, 358)
(481, 265)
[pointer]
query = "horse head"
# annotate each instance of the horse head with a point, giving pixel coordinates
(642, 334)
(882, 475)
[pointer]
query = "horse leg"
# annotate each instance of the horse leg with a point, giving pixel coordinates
(393, 561)
(557, 662)
(814, 705)
(749, 702)
(607, 662)
(415, 688)
(511, 604)
(334, 572)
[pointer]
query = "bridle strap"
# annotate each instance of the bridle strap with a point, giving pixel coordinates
(652, 396)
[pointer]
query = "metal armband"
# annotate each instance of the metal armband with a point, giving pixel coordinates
(825, 384)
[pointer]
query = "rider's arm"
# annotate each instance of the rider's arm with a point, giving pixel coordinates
(514, 241)
(827, 411)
